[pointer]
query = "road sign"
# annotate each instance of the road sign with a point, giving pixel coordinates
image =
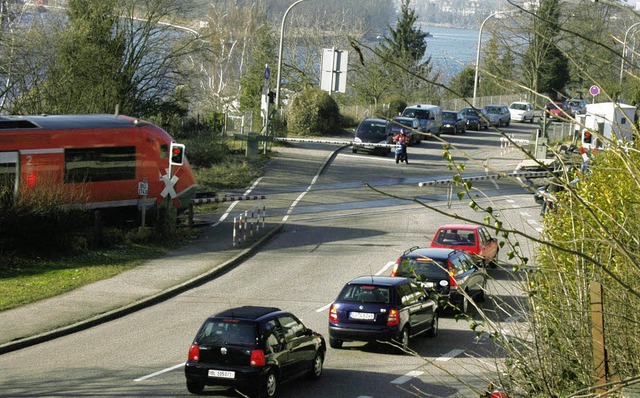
(267, 73)
(594, 90)
(143, 188)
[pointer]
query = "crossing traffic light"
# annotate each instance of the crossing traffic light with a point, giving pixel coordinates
(176, 155)
(587, 137)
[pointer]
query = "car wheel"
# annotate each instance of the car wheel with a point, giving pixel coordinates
(354, 150)
(464, 306)
(481, 296)
(270, 385)
(335, 343)
(195, 387)
(433, 332)
(494, 263)
(316, 367)
(403, 339)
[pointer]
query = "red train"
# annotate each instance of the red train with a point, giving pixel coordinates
(109, 162)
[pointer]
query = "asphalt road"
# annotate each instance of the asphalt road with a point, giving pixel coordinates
(336, 228)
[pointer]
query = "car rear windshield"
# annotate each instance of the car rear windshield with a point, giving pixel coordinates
(227, 331)
(492, 109)
(449, 115)
(456, 237)
(365, 294)
(519, 107)
(422, 268)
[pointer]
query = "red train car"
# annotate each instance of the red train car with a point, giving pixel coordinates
(103, 161)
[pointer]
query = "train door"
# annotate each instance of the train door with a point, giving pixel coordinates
(9, 169)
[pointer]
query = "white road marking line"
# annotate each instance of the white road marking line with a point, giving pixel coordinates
(160, 372)
(407, 377)
(386, 267)
(226, 213)
(450, 355)
(324, 308)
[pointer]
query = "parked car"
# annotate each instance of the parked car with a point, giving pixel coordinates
(474, 118)
(559, 110)
(253, 349)
(371, 131)
(430, 117)
(521, 111)
(401, 122)
(381, 308)
(453, 276)
(498, 115)
(453, 122)
(578, 106)
(474, 239)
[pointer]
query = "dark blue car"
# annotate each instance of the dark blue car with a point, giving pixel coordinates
(475, 121)
(381, 308)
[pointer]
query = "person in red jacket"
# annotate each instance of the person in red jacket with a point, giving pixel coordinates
(402, 138)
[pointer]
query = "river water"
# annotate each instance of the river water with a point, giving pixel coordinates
(452, 49)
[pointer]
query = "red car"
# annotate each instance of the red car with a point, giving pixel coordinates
(559, 110)
(473, 239)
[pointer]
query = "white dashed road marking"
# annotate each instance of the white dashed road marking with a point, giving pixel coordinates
(407, 377)
(449, 355)
(160, 372)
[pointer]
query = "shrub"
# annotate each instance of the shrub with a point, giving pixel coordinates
(313, 111)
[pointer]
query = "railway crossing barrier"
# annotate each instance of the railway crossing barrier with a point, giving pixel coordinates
(518, 175)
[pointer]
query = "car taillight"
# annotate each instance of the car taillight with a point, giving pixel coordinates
(452, 277)
(333, 314)
(194, 353)
(396, 266)
(394, 318)
(257, 358)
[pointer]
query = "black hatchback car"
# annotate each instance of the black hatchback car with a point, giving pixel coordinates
(444, 273)
(380, 308)
(253, 349)
(372, 131)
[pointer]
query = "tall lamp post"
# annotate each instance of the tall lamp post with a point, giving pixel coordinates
(475, 80)
(624, 49)
(284, 18)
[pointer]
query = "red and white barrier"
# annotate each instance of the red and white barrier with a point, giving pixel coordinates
(246, 223)
(200, 201)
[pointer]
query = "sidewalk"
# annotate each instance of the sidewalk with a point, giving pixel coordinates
(150, 283)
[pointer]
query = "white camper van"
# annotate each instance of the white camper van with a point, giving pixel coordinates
(605, 122)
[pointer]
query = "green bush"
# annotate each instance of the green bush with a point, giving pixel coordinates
(41, 223)
(313, 112)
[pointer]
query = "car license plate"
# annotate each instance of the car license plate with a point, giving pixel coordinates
(428, 285)
(365, 316)
(225, 374)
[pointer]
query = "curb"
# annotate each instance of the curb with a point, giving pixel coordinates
(140, 304)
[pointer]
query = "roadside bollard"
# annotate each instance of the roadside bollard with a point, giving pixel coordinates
(235, 225)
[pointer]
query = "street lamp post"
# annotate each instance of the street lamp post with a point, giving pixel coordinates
(277, 100)
(475, 80)
(624, 49)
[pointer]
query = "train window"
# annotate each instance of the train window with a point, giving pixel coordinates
(164, 151)
(99, 164)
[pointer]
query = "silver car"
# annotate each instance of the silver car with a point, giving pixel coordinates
(498, 115)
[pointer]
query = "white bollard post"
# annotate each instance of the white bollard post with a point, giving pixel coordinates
(234, 231)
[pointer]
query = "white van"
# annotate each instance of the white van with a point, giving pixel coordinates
(430, 117)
